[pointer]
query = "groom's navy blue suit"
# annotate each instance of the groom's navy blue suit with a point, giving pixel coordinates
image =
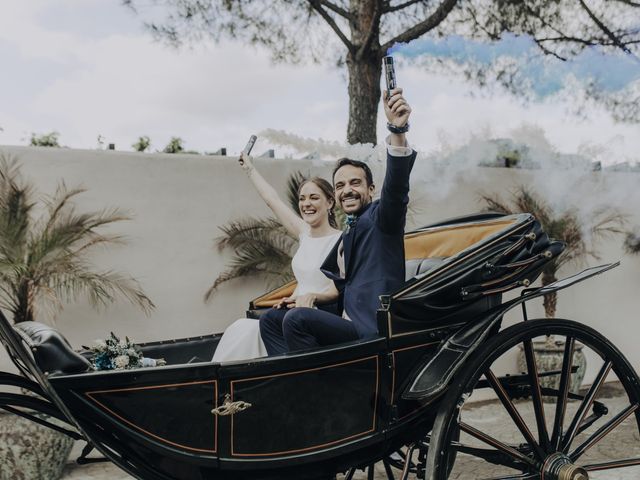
(374, 265)
(374, 249)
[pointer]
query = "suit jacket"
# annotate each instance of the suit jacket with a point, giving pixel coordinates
(374, 249)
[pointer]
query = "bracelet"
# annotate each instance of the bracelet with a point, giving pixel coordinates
(394, 129)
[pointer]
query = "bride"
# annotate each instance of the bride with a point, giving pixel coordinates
(317, 232)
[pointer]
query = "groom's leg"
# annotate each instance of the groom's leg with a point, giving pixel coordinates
(305, 328)
(271, 331)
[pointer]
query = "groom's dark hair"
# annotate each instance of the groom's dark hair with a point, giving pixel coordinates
(356, 163)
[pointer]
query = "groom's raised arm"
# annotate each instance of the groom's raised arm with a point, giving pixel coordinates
(394, 196)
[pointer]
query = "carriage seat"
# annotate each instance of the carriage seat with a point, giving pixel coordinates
(52, 352)
(419, 266)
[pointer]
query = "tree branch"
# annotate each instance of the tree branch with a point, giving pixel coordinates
(315, 4)
(629, 2)
(335, 8)
(423, 27)
(546, 51)
(604, 28)
(400, 7)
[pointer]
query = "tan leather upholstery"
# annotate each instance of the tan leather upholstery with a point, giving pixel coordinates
(448, 241)
(269, 299)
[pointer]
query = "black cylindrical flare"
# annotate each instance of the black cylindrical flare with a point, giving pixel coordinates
(389, 73)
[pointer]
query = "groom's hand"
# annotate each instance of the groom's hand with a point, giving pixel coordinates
(396, 107)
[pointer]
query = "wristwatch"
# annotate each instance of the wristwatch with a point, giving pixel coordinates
(394, 129)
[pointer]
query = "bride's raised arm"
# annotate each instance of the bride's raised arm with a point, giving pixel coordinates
(289, 219)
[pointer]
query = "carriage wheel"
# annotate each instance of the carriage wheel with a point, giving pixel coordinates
(525, 429)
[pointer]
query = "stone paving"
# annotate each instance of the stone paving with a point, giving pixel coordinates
(622, 443)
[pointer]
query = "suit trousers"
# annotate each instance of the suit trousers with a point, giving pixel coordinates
(287, 330)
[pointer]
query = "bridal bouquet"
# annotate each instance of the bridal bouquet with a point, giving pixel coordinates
(116, 354)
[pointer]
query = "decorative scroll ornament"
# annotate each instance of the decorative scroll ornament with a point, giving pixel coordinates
(229, 407)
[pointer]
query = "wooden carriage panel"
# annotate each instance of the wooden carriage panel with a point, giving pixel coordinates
(177, 414)
(306, 410)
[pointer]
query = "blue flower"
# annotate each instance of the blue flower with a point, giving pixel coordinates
(350, 220)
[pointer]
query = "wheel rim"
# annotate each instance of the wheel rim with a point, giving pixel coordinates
(567, 439)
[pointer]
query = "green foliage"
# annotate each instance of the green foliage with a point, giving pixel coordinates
(143, 143)
(44, 259)
(174, 146)
(44, 140)
(564, 226)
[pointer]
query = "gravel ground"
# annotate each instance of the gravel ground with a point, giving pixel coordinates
(622, 443)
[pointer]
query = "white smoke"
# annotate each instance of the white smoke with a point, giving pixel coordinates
(565, 181)
(323, 150)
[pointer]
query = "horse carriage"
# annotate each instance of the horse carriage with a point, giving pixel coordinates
(399, 398)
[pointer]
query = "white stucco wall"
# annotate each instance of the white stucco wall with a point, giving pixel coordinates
(178, 202)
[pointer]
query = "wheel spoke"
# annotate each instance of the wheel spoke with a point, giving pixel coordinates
(561, 405)
(628, 462)
(521, 476)
(513, 412)
(536, 394)
(388, 470)
(585, 406)
(503, 447)
(603, 431)
(491, 455)
(350, 474)
(407, 463)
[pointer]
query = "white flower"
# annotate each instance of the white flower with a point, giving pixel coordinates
(100, 345)
(121, 361)
(123, 344)
(131, 352)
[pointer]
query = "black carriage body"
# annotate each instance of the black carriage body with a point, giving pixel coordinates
(311, 413)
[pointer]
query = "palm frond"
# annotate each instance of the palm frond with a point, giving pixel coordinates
(16, 205)
(247, 231)
(261, 247)
(293, 185)
(495, 204)
(564, 226)
(45, 261)
(59, 202)
(632, 243)
(101, 288)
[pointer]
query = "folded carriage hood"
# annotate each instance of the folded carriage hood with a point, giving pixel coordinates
(436, 374)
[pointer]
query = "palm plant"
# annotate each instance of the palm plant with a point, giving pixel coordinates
(44, 258)
(632, 242)
(261, 246)
(564, 226)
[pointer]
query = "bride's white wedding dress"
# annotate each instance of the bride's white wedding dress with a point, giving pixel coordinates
(241, 340)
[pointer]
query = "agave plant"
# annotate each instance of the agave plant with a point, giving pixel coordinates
(564, 226)
(44, 251)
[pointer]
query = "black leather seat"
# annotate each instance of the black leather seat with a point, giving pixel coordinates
(52, 352)
(419, 266)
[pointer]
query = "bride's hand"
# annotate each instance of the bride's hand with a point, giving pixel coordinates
(286, 302)
(307, 300)
(246, 162)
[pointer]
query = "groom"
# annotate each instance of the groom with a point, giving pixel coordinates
(368, 261)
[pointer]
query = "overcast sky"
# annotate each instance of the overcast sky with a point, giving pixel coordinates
(87, 67)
